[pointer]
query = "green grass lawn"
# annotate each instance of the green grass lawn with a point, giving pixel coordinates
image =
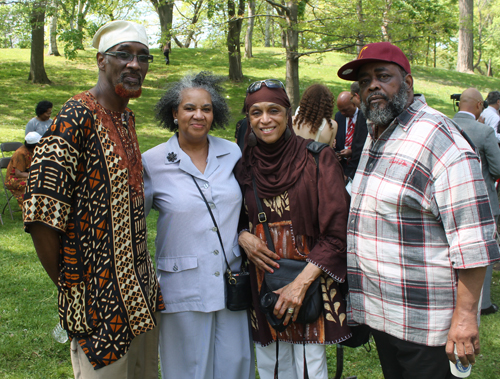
(28, 309)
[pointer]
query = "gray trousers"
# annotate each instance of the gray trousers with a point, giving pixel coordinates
(214, 345)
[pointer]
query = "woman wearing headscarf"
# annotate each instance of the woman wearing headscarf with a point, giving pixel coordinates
(199, 337)
(306, 208)
(314, 118)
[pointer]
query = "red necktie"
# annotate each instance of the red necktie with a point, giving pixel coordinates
(349, 134)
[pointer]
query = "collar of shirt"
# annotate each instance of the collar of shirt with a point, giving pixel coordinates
(467, 113)
(174, 154)
(354, 118)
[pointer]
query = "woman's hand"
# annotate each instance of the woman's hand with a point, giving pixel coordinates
(292, 295)
(258, 252)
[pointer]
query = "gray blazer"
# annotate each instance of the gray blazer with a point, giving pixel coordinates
(486, 143)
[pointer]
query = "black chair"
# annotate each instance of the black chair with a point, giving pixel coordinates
(9, 146)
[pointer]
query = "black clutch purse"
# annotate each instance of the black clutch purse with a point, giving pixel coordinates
(312, 305)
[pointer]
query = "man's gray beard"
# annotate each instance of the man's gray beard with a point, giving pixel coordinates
(394, 107)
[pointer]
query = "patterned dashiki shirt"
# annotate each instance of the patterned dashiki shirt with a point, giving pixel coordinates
(419, 212)
(86, 182)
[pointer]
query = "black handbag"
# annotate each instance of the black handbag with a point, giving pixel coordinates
(312, 305)
(238, 290)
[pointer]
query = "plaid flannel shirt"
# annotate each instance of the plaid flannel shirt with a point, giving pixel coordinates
(419, 212)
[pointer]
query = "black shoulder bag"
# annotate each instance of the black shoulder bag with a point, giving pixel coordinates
(238, 291)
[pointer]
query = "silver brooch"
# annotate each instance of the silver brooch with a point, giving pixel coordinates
(172, 157)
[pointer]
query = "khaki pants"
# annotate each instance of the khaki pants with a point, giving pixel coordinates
(140, 361)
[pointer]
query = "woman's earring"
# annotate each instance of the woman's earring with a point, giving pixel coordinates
(288, 134)
(175, 121)
(252, 139)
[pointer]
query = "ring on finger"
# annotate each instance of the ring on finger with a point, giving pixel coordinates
(291, 310)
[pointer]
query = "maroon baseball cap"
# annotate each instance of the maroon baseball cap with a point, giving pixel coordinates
(374, 52)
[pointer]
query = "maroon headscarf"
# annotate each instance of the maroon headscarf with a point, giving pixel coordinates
(276, 166)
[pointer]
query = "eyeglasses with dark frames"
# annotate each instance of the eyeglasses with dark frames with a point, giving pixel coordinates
(127, 57)
(270, 83)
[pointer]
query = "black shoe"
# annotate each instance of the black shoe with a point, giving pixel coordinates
(493, 308)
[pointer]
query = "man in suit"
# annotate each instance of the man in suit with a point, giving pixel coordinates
(346, 120)
(360, 133)
(483, 136)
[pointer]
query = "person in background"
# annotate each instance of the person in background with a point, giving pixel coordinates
(314, 118)
(307, 217)
(166, 52)
(241, 131)
(359, 136)
(84, 208)
(346, 119)
(42, 121)
(470, 108)
(490, 115)
(420, 231)
(20, 162)
(199, 337)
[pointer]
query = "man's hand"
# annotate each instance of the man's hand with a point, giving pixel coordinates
(464, 332)
(346, 153)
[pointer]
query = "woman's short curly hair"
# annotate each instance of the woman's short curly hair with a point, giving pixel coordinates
(173, 97)
(316, 104)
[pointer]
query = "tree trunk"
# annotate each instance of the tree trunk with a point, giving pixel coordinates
(465, 36)
(360, 42)
(53, 50)
(248, 37)
(165, 9)
(489, 73)
(37, 21)
(267, 33)
(292, 58)
(233, 38)
(196, 15)
(385, 21)
(435, 47)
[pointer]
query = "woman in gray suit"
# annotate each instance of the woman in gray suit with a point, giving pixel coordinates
(199, 337)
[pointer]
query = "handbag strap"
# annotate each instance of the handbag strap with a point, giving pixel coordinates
(262, 217)
(216, 228)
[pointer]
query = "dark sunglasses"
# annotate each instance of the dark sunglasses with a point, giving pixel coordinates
(270, 83)
(127, 57)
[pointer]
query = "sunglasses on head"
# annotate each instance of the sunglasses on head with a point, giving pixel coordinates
(270, 83)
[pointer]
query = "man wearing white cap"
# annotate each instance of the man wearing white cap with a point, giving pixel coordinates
(84, 208)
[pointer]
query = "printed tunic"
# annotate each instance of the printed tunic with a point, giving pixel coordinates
(86, 182)
(326, 250)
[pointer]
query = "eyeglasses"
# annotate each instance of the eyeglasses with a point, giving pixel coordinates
(270, 83)
(127, 57)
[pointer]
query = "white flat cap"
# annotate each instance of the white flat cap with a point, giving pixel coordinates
(119, 31)
(32, 138)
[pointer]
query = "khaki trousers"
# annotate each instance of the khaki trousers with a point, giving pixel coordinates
(140, 361)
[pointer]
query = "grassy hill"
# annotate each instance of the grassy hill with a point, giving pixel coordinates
(28, 310)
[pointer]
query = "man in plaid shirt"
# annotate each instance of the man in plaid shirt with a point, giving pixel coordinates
(421, 230)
